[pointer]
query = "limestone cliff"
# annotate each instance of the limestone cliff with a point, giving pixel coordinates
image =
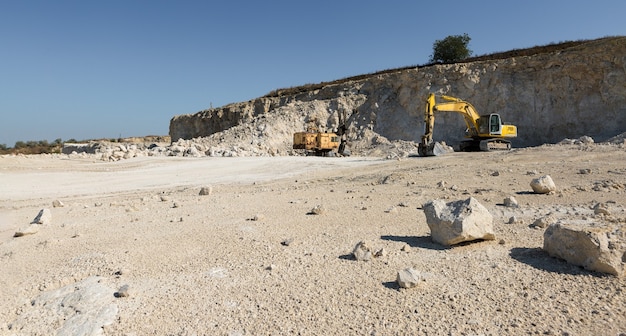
(575, 91)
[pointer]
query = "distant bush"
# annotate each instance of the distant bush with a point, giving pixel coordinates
(451, 49)
(33, 147)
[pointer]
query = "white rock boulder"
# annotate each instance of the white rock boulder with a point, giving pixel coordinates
(459, 221)
(596, 247)
(543, 185)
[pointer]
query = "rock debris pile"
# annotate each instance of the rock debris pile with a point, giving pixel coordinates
(243, 141)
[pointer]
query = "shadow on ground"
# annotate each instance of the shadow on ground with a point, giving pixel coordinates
(541, 260)
(392, 285)
(414, 241)
(347, 257)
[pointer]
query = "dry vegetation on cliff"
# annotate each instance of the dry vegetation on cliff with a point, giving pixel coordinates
(549, 48)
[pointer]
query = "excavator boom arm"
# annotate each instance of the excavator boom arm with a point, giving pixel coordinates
(452, 104)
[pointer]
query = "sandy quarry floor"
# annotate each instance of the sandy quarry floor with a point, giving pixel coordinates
(249, 259)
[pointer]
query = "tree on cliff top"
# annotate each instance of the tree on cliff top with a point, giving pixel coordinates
(451, 49)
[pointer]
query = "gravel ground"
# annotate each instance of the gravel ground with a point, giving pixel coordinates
(136, 248)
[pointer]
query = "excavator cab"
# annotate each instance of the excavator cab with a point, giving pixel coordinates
(490, 124)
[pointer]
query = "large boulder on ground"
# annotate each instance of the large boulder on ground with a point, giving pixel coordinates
(459, 221)
(543, 185)
(596, 247)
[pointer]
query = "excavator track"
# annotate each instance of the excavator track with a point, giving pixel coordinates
(495, 145)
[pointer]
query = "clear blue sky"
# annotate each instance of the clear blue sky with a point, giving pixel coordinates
(93, 69)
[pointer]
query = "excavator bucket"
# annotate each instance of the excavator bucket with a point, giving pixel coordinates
(433, 149)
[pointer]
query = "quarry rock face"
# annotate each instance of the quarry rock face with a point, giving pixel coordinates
(459, 221)
(596, 247)
(550, 96)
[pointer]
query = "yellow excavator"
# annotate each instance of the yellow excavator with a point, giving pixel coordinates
(485, 133)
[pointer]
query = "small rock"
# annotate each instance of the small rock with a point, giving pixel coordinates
(271, 267)
(511, 202)
(405, 248)
(543, 222)
(258, 217)
(543, 185)
(495, 173)
(164, 198)
(121, 271)
(380, 253)
(317, 210)
(532, 172)
(586, 140)
(409, 278)
(441, 184)
(206, 191)
(501, 242)
(287, 242)
(512, 220)
(122, 292)
(584, 171)
(362, 252)
(601, 209)
(27, 230)
(391, 210)
(44, 217)
(57, 204)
